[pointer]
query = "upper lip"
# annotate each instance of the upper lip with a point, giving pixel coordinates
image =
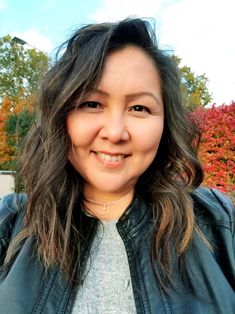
(111, 153)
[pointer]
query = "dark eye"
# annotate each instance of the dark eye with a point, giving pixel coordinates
(90, 105)
(139, 108)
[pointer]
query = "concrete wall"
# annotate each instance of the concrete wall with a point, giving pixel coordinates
(6, 184)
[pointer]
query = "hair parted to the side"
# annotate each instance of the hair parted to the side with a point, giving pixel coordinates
(54, 187)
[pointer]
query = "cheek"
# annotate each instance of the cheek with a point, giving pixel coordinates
(79, 132)
(148, 137)
(149, 146)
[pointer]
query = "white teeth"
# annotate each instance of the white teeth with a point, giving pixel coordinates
(111, 158)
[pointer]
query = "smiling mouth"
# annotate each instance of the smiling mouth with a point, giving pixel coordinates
(111, 158)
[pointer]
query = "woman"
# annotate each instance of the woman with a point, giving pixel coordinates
(114, 221)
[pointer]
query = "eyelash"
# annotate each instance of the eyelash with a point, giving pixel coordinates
(143, 108)
(82, 105)
(96, 105)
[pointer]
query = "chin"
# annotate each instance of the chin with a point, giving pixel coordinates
(109, 187)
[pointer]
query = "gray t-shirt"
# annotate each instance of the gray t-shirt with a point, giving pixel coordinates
(107, 288)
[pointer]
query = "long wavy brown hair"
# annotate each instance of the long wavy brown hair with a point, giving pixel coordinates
(54, 188)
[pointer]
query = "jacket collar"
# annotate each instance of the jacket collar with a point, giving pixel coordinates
(136, 214)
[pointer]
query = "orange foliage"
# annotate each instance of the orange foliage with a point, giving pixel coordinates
(7, 107)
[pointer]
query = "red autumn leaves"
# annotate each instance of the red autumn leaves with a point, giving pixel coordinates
(217, 147)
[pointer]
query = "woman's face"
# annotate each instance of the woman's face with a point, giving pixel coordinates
(116, 131)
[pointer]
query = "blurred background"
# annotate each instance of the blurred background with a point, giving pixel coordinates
(198, 34)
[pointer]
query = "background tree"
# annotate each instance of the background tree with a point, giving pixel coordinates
(217, 146)
(14, 125)
(20, 69)
(194, 87)
(6, 152)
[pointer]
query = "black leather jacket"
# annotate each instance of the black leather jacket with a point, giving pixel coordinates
(28, 289)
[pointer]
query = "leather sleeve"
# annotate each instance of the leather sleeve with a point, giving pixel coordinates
(215, 215)
(9, 209)
(214, 207)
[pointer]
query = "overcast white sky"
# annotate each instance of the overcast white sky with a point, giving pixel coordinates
(200, 32)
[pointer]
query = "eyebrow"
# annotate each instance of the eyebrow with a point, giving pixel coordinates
(132, 95)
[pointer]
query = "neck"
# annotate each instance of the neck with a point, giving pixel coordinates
(107, 207)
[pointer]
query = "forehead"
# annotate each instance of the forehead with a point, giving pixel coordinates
(130, 70)
(130, 55)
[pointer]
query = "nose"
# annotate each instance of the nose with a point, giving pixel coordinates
(114, 127)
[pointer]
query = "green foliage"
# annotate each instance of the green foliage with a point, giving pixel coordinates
(8, 165)
(20, 69)
(194, 87)
(17, 127)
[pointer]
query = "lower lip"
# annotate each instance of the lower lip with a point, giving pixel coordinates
(110, 164)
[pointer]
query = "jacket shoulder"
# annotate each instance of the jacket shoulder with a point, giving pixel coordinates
(10, 206)
(213, 207)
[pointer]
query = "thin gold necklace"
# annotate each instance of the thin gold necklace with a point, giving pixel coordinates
(107, 204)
